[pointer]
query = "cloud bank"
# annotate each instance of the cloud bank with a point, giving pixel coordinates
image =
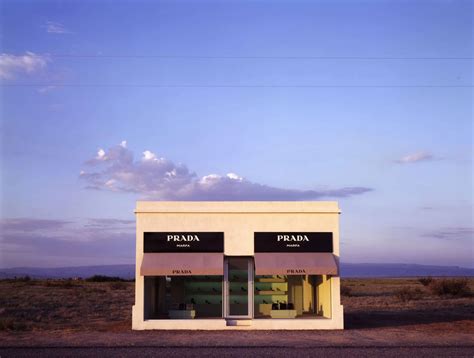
(161, 179)
(45, 242)
(12, 65)
(30, 224)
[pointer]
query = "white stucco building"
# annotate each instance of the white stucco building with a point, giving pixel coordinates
(237, 265)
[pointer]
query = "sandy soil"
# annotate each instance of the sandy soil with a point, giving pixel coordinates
(77, 313)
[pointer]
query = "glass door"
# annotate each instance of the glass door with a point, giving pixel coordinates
(238, 296)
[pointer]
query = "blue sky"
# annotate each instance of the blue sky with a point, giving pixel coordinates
(364, 102)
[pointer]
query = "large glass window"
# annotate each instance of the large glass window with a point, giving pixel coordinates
(292, 296)
(183, 297)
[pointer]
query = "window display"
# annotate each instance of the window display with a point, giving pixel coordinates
(291, 296)
(183, 297)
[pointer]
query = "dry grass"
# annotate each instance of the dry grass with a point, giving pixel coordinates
(457, 287)
(425, 281)
(406, 294)
(381, 303)
(65, 305)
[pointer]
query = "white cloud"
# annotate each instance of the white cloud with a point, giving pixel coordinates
(11, 65)
(415, 158)
(46, 89)
(161, 179)
(53, 27)
(234, 176)
(101, 154)
(147, 155)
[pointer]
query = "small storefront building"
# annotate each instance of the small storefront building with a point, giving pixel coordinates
(237, 265)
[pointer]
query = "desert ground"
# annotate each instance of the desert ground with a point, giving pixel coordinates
(384, 317)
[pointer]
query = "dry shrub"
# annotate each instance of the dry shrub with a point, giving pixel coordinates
(23, 278)
(9, 324)
(457, 287)
(425, 281)
(119, 285)
(406, 294)
(102, 278)
(60, 283)
(6, 323)
(346, 291)
(90, 290)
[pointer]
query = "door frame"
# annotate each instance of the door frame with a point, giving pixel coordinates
(250, 288)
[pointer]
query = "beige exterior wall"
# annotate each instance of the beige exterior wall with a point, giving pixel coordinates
(238, 221)
(323, 294)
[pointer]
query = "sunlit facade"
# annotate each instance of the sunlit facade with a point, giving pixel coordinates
(237, 265)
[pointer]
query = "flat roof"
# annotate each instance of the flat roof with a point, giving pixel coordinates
(237, 207)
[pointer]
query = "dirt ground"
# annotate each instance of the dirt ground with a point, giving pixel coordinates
(83, 314)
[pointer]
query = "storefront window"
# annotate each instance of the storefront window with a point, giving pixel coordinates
(183, 297)
(292, 296)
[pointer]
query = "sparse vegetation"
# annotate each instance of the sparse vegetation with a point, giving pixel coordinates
(119, 285)
(346, 291)
(6, 323)
(457, 287)
(406, 294)
(425, 281)
(9, 324)
(68, 283)
(19, 279)
(65, 304)
(80, 305)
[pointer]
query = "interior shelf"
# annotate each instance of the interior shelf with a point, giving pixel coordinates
(270, 293)
(270, 280)
(203, 293)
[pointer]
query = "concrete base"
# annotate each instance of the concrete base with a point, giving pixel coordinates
(239, 322)
(335, 322)
(256, 324)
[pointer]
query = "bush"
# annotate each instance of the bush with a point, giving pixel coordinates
(119, 285)
(9, 324)
(60, 283)
(346, 291)
(102, 278)
(23, 278)
(425, 281)
(406, 294)
(450, 287)
(6, 323)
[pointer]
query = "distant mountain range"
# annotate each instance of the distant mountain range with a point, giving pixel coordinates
(347, 270)
(123, 271)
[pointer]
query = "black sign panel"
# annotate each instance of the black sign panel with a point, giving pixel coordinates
(183, 242)
(293, 242)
